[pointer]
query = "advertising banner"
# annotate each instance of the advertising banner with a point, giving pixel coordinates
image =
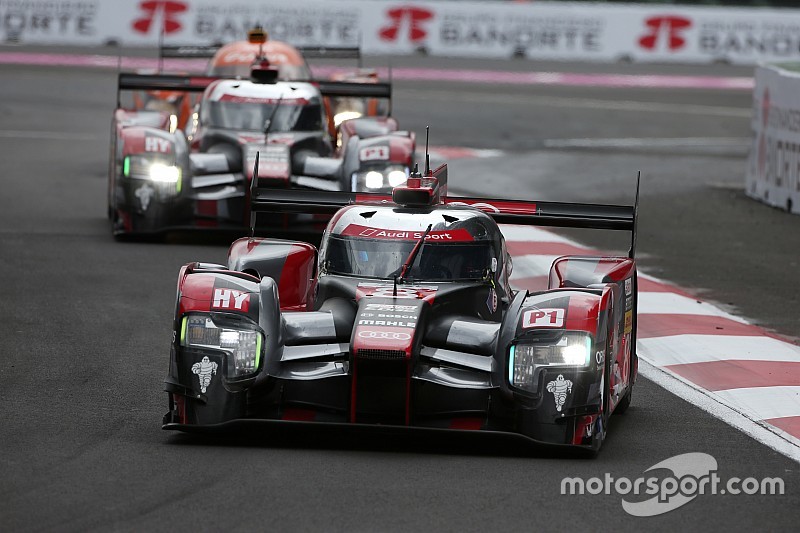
(502, 30)
(774, 162)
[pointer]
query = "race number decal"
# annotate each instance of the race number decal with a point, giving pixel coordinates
(543, 318)
(374, 153)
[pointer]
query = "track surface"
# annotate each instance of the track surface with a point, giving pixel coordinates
(86, 326)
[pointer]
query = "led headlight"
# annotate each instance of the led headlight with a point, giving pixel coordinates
(161, 173)
(157, 171)
(338, 118)
(379, 180)
(572, 349)
(241, 344)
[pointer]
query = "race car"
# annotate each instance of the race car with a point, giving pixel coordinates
(405, 317)
(163, 178)
(235, 60)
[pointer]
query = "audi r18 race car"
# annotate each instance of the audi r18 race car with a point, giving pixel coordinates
(405, 317)
(162, 178)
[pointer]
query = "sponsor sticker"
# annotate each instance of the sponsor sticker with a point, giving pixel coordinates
(543, 318)
(145, 194)
(205, 369)
(491, 301)
(391, 307)
(456, 235)
(628, 286)
(600, 356)
(231, 299)
(388, 335)
(417, 292)
(560, 388)
(628, 321)
(157, 144)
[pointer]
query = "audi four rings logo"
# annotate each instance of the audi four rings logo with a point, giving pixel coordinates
(389, 335)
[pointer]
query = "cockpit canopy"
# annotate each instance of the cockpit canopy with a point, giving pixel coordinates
(463, 244)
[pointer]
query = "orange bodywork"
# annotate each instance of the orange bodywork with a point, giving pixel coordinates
(236, 59)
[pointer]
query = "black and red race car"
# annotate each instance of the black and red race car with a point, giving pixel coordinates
(163, 178)
(405, 317)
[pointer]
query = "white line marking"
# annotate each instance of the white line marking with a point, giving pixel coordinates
(49, 135)
(683, 349)
(778, 440)
(684, 142)
(672, 303)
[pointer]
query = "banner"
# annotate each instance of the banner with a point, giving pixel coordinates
(774, 162)
(502, 30)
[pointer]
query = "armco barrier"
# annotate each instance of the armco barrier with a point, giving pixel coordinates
(541, 30)
(774, 162)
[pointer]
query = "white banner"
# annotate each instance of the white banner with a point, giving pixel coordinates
(537, 30)
(774, 162)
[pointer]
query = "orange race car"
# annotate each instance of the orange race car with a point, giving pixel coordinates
(235, 60)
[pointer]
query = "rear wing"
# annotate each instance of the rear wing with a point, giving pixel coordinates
(177, 82)
(161, 82)
(553, 214)
(354, 89)
(308, 52)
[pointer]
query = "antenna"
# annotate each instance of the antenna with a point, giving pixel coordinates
(632, 251)
(390, 88)
(253, 187)
(161, 46)
(427, 155)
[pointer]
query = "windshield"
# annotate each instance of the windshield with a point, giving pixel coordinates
(384, 259)
(247, 114)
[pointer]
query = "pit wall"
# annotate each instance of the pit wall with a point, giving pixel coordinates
(536, 30)
(774, 162)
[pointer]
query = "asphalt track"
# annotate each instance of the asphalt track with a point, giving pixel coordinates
(86, 326)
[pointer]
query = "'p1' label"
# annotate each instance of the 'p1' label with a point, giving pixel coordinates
(543, 318)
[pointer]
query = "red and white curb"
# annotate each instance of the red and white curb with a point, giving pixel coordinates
(730, 368)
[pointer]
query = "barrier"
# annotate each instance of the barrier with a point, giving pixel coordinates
(774, 162)
(539, 30)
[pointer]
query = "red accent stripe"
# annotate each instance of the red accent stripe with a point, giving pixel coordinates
(736, 374)
(790, 424)
(301, 415)
(517, 248)
(468, 423)
(665, 325)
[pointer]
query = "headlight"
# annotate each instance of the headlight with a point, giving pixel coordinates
(156, 171)
(572, 349)
(243, 345)
(379, 180)
(162, 173)
(338, 118)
